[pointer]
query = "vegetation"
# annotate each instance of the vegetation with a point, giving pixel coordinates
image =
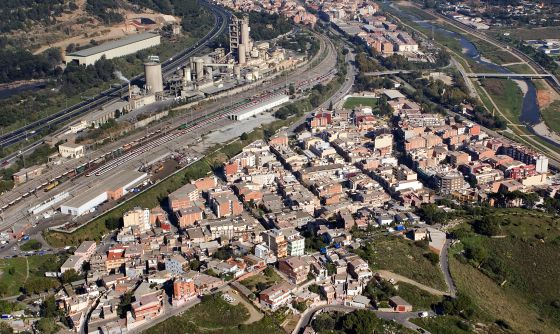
(356, 322)
(262, 281)
(351, 102)
(551, 116)
(266, 26)
(105, 10)
(27, 274)
(516, 274)
(402, 257)
(31, 245)
(507, 96)
(196, 20)
(18, 14)
(214, 314)
(20, 64)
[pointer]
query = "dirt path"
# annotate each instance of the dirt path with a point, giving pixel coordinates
(387, 275)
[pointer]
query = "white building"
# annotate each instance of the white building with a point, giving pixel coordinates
(111, 188)
(114, 49)
(249, 110)
(71, 150)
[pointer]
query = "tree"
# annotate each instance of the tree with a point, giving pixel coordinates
(360, 322)
(291, 89)
(488, 225)
(49, 308)
(244, 136)
(462, 306)
(5, 328)
(268, 272)
(47, 326)
(432, 257)
(323, 323)
(476, 253)
(125, 304)
(70, 276)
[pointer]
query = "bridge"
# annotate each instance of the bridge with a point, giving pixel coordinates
(510, 75)
(382, 73)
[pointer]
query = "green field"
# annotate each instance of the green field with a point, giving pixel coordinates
(520, 68)
(405, 258)
(352, 102)
(530, 33)
(551, 116)
(31, 245)
(261, 281)
(28, 273)
(517, 280)
(420, 299)
(214, 315)
(507, 96)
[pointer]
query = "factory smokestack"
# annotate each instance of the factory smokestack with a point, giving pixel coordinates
(122, 78)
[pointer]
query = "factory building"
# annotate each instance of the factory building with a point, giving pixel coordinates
(114, 49)
(244, 112)
(111, 188)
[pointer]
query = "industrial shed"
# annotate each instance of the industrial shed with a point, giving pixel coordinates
(113, 187)
(114, 49)
(244, 112)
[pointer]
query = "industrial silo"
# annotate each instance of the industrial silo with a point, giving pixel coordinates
(154, 79)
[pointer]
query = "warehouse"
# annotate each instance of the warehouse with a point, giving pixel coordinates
(114, 49)
(112, 188)
(244, 112)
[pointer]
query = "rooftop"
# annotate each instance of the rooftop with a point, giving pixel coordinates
(113, 45)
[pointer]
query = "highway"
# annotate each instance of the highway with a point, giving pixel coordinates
(113, 94)
(199, 123)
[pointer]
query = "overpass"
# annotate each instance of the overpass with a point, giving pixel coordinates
(382, 73)
(510, 75)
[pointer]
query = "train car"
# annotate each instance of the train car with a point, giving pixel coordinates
(51, 186)
(183, 126)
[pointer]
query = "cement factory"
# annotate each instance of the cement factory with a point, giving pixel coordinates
(217, 71)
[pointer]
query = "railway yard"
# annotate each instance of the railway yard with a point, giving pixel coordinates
(178, 138)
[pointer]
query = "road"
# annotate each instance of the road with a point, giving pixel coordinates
(402, 318)
(112, 94)
(444, 266)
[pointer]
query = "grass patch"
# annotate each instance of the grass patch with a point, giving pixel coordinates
(551, 116)
(214, 315)
(520, 68)
(403, 257)
(31, 245)
(420, 299)
(441, 325)
(14, 275)
(261, 281)
(352, 102)
(507, 96)
(531, 33)
(518, 278)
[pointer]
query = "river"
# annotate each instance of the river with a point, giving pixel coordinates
(530, 112)
(11, 91)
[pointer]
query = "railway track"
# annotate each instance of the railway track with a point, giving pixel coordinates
(130, 151)
(113, 94)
